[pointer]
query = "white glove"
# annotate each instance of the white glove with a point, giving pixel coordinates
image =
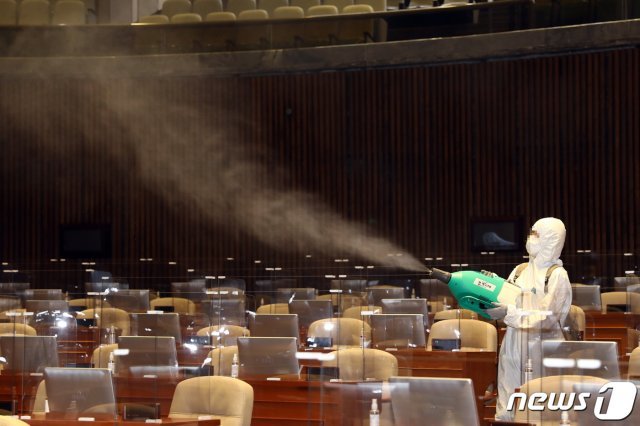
(499, 312)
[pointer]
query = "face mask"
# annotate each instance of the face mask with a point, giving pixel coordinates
(533, 245)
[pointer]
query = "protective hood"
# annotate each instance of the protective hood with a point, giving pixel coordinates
(551, 241)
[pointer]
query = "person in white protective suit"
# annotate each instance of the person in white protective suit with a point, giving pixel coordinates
(539, 312)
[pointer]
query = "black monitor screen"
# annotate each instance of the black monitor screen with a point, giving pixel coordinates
(496, 235)
(85, 241)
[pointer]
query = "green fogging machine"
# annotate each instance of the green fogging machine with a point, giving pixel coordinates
(478, 291)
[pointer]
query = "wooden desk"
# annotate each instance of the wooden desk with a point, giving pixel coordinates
(41, 420)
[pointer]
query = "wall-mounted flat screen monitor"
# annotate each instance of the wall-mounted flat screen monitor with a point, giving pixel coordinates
(496, 234)
(85, 241)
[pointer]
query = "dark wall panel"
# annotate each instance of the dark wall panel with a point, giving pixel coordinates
(411, 153)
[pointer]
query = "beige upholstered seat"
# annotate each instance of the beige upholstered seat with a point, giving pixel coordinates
(107, 317)
(173, 7)
(288, 12)
(343, 331)
(575, 324)
(185, 18)
(475, 335)
(455, 314)
(33, 12)
(547, 385)
(8, 9)
(273, 308)
(39, 400)
(221, 359)
(362, 364)
(11, 421)
(322, 10)
(357, 8)
(17, 328)
(180, 304)
(253, 15)
(69, 12)
(100, 356)
(13, 315)
(632, 300)
(339, 4)
(224, 335)
(356, 311)
(220, 17)
(224, 398)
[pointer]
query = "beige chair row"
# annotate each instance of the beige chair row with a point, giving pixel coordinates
(205, 7)
(43, 12)
(283, 12)
(227, 399)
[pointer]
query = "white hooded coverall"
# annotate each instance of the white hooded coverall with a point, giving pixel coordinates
(527, 329)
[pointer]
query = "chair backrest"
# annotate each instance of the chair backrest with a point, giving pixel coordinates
(357, 311)
(274, 325)
(322, 10)
(288, 12)
(107, 317)
(173, 7)
(237, 6)
(253, 15)
(273, 308)
(100, 356)
(180, 305)
(398, 331)
(220, 17)
(623, 300)
(39, 402)
(11, 421)
(271, 5)
(224, 335)
(226, 398)
(357, 8)
(474, 335)
(576, 321)
(342, 331)
(17, 328)
(363, 364)
(204, 7)
(34, 12)
(8, 11)
(69, 12)
(634, 364)
(221, 359)
(455, 314)
(549, 384)
(185, 18)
